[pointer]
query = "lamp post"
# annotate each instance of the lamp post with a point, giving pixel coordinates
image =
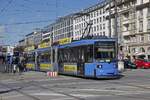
(51, 42)
(119, 54)
(115, 30)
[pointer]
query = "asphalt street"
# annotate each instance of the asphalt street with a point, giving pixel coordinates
(135, 85)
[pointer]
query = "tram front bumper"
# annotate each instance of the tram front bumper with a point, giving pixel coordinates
(109, 76)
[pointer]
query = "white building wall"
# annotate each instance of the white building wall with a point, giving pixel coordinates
(145, 20)
(45, 36)
(97, 17)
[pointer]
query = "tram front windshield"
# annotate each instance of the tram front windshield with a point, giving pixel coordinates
(104, 52)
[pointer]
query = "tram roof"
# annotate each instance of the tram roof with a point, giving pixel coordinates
(86, 42)
(43, 49)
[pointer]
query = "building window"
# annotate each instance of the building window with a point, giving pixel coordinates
(94, 14)
(97, 12)
(91, 15)
(94, 21)
(94, 28)
(103, 26)
(148, 24)
(141, 2)
(91, 29)
(100, 33)
(141, 14)
(134, 39)
(103, 18)
(140, 26)
(100, 12)
(142, 49)
(148, 11)
(103, 10)
(133, 50)
(148, 49)
(142, 38)
(149, 37)
(100, 27)
(97, 20)
(97, 27)
(103, 33)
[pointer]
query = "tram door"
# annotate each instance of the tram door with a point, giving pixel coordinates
(80, 68)
(80, 62)
(55, 59)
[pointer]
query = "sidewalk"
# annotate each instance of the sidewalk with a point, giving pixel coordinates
(24, 75)
(6, 78)
(33, 75)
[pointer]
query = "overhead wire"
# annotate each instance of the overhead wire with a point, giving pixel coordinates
(4, 8)
(28, 22)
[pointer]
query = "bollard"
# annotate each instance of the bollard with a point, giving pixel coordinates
(121, 66)
(52, 74)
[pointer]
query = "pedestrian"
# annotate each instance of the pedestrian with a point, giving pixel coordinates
(15, 64)
(21, 64)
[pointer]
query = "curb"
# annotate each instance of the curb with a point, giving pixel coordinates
(9, 90)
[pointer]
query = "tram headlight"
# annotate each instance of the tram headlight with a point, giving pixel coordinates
(115, 65)
(99, 66)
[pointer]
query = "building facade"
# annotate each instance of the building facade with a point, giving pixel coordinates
(29, 39)
(63, 29)
(93, 18)
(37, 37)
(133, 26)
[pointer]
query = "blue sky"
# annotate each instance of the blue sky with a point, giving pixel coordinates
(23, 11)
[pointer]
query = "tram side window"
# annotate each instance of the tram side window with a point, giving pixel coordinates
(53, 55)
(68, 55)
(76, 54)
(45, 57)
(30, 58)
(63, 55)
(72, 55)
(60, 56)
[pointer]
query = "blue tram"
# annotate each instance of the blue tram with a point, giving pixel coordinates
(88, 58)
(43, 62)
(93, 58)
(31, 60)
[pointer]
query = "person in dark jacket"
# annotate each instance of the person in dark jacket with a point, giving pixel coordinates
(21, 64)
(15, 64)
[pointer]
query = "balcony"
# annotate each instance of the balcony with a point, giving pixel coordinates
(126, 33)
(125, 21)
(124, 10)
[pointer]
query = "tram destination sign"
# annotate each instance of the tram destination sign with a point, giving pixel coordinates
(105, 43)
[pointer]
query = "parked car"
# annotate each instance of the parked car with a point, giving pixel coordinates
(142, 63)
(129, 64)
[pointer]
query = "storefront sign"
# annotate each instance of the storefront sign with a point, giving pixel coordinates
(64, 41)
(45, 66)
(70, 68)
(44, 45)
(30, 66)
(29, 48)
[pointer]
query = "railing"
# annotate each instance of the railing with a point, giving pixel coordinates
(5, 68)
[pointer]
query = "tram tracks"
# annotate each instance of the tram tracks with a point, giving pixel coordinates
(71, 95)
(34, 83)
(18, 90)
(132, 85)
(119, 95)
(58, 92)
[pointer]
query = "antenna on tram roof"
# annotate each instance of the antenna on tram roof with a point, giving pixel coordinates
(89, 24)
